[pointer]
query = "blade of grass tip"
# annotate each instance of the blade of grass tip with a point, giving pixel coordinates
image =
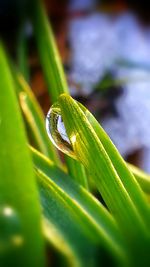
(80, 217)
(21, 242)
(53, 70)
(34, 117)
(22, 53)
(92, 206)
(121, 167)
(91, 153)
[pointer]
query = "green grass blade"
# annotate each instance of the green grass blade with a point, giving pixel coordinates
(121, 167)
(107, 229)
(48, 52)
(89, 150)
(21, 242)
(32, 111)
(58, 212)
(98, 213)
(53, 70)
(125, 171)
(91, 212)
(35, 118)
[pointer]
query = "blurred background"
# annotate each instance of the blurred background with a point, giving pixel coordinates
(105, 50)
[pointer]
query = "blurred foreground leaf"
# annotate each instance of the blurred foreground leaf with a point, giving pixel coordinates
(21, 242)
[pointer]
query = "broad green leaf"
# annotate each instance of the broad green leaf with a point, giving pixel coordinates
(92, 216)
(21, 242)
(132, 217)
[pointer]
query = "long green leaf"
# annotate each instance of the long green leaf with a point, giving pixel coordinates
(21, 242)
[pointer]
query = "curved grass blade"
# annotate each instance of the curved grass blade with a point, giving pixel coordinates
(60, 213)
(35, 118)
(121, 167)
(132, 219)
(21, 242)
(142, 178)
(85, 200)
(31, 109)
(53, 197)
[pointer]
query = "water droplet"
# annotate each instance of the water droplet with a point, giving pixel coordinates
(57, 132)
(11, 237)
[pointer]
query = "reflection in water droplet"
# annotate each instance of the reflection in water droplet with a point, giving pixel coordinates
(11, 237)
(56, 131)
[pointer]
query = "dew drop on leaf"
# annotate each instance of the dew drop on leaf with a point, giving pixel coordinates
(57, 132)
(11, 237)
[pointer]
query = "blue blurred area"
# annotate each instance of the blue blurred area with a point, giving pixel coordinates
(119, 43)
